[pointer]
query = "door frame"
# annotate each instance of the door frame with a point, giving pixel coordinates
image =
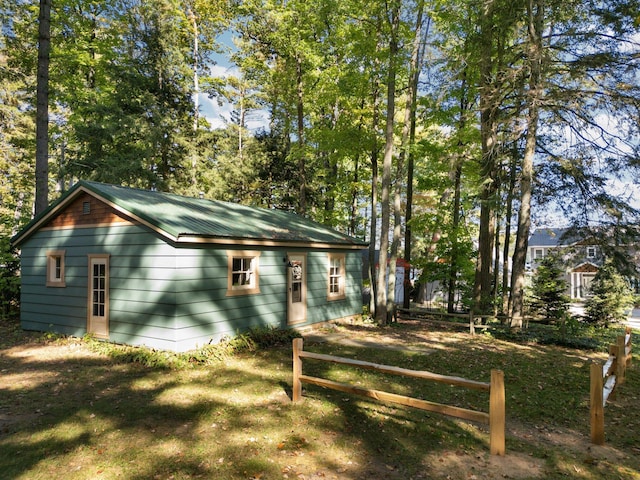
(296, 311)
(101, 258)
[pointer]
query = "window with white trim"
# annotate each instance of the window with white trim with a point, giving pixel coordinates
(538, 254)
(591, 252)
(336, 287)
(55, 268)
(243, 273)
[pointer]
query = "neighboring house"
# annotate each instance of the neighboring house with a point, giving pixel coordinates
(174, 273)
(582, 259)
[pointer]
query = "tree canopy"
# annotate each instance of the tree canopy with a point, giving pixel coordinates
(447, 128)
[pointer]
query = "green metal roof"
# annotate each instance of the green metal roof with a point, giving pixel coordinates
(187, 219)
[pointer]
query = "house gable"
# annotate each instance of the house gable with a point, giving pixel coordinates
(86, 211)
(586, 267)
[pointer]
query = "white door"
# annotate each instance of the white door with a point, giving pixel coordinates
(98, 307)
(297, 289)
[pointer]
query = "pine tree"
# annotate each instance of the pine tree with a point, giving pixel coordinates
(549, 289)
(611, 297)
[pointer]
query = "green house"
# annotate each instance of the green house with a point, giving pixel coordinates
(174, 273)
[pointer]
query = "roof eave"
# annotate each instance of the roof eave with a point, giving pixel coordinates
(204, 239)
(55, 208)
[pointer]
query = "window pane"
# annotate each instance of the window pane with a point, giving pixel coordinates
(242, 271)
(237, 264)
(58, 272)
(336, 272)
(296, 292)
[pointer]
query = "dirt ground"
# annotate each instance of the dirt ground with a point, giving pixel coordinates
(458, 465)
(450, 465)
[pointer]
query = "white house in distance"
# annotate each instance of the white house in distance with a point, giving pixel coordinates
(582, 257)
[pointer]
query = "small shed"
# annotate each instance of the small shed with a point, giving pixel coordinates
(172, 272)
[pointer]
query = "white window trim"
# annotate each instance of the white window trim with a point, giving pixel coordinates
(254, 286)
(55, 272)
(591, 252)
(535, 253)
(341, 293)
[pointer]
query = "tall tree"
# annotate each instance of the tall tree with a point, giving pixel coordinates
(535, 60)
(409, 137)
(42, 109)
(386, 273)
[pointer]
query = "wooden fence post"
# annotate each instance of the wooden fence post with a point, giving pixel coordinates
(497, 413)
(472, 323)
(597, 405)
(296, 394)
(614, 351)
(628, 345)
(622, 359)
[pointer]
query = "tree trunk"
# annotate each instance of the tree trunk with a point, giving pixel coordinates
(302, 200)
(453, 266)
(456, 175)
(496, 264)
(505, 309)
(482, 286)
(387, 164)
(196, 100)
(408, 141)
(373, 226)
(42, 108)
(536, 16)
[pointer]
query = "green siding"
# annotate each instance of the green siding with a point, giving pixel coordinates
(166, 297)
(204, 311)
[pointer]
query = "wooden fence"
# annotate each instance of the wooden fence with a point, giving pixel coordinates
(471, 318)
(604, 380)
(495, 418)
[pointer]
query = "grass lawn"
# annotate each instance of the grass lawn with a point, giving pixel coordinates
(68, 412)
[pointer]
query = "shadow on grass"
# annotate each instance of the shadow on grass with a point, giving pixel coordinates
(71, 414)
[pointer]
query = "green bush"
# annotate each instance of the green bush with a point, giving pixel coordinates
(9, 278)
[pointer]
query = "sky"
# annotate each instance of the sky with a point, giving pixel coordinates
(215, 111)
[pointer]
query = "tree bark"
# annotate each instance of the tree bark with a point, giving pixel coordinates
(302, 200)
(535, 23)
(382, 310)
(42, 108)
(409, 135)
(482, 285)
(373, 226)
(506, 297)
(453, 266)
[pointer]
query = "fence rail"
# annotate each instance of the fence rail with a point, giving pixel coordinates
(470, 317)
(605, 378)
(495, 418)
